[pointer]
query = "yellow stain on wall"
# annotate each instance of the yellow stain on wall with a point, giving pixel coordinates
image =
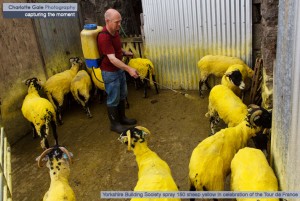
(176, 64)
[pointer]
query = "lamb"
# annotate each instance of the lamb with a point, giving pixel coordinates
(217, 65)
(81, 86)
(224, 104)
(154, 173)
(58, 85)
(40, 112)
(58, 159)
(210, 160)
(146, 71)
(250, 171)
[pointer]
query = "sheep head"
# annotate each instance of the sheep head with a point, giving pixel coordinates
(236, 78)
(54, 153)
(133, 135)
(76, 61)
(258, 117)
(34, 83)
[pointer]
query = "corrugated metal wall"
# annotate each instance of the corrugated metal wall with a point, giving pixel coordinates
(179, 32)
(59, 39)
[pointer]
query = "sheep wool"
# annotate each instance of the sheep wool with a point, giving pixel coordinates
(81, 86)
(218, 64)
(154, 173)
(143, 66)
(58, 85)
(250, 171)
(210, 160)
(97, 78)
(39, 111)
(227, 105)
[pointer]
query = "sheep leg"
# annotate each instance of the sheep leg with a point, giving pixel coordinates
(44, 143)
(87, 111)
(154, 80)
(59, 116)
(192, 188)
(58, 111)
(145, 88)
(207, 85)
(200, 89)
(127, 103)
(146, 85)
(43, 135)
(101, 96)
(136, 84)
(213, 121)
(53, 126)
(34, 133)
(69, 98)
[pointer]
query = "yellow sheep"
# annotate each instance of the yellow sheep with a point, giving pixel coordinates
(210, 160)
(250, 171)
(224, 104)
(217, 65)
(81, 86)
(58, 163)
(58, 85)
(145, 69)
(154, 173)
(39, 111)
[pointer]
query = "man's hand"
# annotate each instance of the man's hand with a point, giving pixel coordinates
(128, 53)
(133, 72)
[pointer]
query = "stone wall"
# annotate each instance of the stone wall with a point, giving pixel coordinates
(257, 29)
(267, 32)
(20, 59)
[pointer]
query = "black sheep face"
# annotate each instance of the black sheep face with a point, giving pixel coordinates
(136, 135)
(265, 119)
(34, 82)
(236, 78)
(260, 117)
(76, 60)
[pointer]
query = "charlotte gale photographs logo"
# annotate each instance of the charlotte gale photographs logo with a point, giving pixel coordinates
(39, 10)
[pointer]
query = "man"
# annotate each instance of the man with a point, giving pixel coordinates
(112, 67)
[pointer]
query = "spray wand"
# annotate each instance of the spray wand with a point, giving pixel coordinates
(182, 93)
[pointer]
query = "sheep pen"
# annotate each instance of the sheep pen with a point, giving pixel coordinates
(101, 162)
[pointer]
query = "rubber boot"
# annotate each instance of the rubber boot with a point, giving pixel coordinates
(114, 118)
(123, 119)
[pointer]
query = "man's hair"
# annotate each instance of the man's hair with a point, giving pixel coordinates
(108, 13)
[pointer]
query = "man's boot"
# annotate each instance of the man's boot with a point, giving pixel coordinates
(123, 119)
(114, 118)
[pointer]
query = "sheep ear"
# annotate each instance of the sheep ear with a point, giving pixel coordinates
(24, 81)
(72, 59)
(123, 137)
(228, 74)
(27, 82)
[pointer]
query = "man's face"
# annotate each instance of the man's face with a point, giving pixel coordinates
(114, 22)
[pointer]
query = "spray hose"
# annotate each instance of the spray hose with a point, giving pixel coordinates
(175, 91)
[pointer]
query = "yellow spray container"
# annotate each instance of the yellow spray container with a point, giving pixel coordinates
(89, 44)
